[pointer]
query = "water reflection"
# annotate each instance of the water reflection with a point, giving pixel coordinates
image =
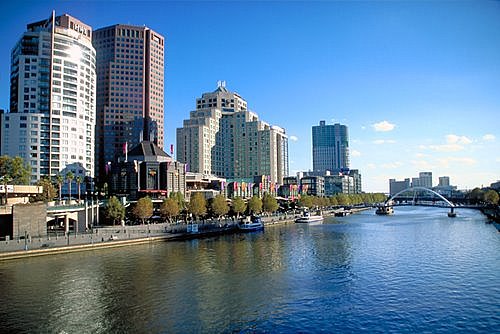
(415, 271)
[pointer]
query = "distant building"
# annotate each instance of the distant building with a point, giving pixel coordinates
(338, 184)
(330, 147)
(415, 182)
(425, 179)
(313, 185)
(354, 173)
(148, 171)
(52, 97)
(444, 181)
(130, 90)
(495, 185)
(223, 138)
(397, 186)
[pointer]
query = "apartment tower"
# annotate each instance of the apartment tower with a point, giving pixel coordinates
(52, 97)
(130, 90)
(330, 148)
(223, 138)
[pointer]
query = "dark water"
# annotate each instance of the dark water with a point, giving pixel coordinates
(415, 272)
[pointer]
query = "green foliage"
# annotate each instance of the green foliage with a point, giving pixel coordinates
(491, 197)
(219, 205)
(255, 205)
(59, 180)
(179, 198)
(69, 177)
(476, 195)
(239, 206)
(169, 208)
(143, 209)
(197, 205)
(306, 201)
(14, 170)
(79, 181)
(115, 210)
(49, 192)
(269, 203)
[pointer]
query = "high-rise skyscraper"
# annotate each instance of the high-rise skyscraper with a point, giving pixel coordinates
(52, 97)
(130, 90)
(330, 147)
(223, 138)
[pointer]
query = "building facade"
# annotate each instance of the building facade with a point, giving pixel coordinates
(130, 90)
(147, 171)
(397, 186)
(444, 181)
(330, 147)
(52, 97)
(425, 179)
(223, 138)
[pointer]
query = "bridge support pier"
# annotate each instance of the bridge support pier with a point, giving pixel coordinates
(452, 213)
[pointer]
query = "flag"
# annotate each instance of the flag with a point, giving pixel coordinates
(125, 148)
(172, 149)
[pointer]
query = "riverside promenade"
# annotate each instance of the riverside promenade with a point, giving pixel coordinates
(119, 236)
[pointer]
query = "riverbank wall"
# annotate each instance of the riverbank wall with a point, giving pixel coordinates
(120, 236)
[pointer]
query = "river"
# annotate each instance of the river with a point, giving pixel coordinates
(416, 271)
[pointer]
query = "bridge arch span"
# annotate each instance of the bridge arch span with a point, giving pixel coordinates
(451, 205)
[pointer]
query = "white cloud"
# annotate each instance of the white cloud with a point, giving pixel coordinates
(363, 127)
(454, 139)
(371, 166)
(420, 155)
(384, 141)
(392, 165)
(488, 137)
(383, 126)
(446, 148)
(446, 162)
(355, 153)
(294, 138)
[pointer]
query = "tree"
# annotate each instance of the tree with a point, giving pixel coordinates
(491, 197)
(476, 195)
(197, 205)
(306, 201)
(255, 204)
(143, 209)
(79, 180)
(269, 203)
(69, 177)
(169, 208)
(15, 170)
(179, 198)
(48, 191)
(115, 210)
(219, 206)
(59, 181)
(239, 206)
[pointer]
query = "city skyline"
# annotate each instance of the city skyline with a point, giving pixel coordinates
(414, 82)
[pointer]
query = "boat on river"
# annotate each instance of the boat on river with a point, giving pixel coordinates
(384, 210)
(308, 218)
(250, 224)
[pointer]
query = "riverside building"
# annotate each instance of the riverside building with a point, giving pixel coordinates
(330, 148)
(225, 139)
(130, 90)
(52, 97)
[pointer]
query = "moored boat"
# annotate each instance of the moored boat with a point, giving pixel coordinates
(307, 218)
(251, 224)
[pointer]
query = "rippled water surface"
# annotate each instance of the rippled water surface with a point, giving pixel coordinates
(417, 271)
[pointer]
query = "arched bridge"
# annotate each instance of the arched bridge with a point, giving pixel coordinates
(389, 202)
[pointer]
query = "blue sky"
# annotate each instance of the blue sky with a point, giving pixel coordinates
(417, 83)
